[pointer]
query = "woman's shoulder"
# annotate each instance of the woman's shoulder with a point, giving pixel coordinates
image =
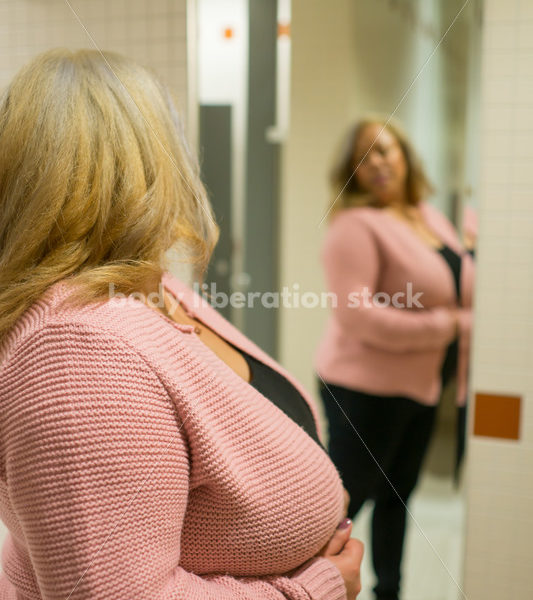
(358, 230)
(51, 321)
(358, 212)
(441, 224)
(433, 213)
(359, 218)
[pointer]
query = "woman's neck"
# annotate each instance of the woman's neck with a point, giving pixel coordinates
(401, 206)
(397, 201)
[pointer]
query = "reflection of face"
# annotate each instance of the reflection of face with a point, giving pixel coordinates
(383, 171)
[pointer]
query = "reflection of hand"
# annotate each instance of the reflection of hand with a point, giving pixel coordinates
(346, 554)
(455, 316)
(469, 240)
(463, 320)
(470, 228)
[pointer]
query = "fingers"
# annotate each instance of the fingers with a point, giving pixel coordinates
(355, 548)
(338, 539)
(350, 559)
(348, 562)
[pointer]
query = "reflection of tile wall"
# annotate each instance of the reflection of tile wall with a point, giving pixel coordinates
(499, 543)
(150, 31)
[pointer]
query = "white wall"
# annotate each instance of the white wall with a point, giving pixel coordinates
(222, 61)
(499, 537)
(153, 32)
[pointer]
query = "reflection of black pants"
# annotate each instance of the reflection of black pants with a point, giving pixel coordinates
(396, 432)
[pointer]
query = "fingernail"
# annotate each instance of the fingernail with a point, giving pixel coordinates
(344, 524)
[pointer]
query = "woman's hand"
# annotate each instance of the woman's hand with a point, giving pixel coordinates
(346, 554)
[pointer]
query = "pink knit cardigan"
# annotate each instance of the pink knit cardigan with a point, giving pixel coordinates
(135, 464)
(390, 350)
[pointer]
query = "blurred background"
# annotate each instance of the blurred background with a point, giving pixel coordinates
(266, 89)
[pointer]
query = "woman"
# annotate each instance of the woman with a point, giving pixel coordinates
(400, 329)
(147, 449)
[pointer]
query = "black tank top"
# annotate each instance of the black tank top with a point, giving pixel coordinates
(449, 366)
(282, 393)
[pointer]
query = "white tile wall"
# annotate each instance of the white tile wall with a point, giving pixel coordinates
(525, 8)
(499, 524)
(150, 31)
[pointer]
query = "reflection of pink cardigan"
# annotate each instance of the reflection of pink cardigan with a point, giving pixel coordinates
(135, 464)
(392, 350)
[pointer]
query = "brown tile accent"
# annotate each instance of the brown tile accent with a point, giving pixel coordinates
(284, 29)
(497, 416)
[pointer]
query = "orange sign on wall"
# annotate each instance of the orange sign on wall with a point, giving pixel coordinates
(497, 416)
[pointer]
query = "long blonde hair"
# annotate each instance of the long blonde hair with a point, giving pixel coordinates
(344, 185)
(96, 181)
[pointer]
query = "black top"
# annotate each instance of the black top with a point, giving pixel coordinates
(282, 393)
(449, 366)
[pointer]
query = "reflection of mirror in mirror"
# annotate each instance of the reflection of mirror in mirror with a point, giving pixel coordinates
(382, 57)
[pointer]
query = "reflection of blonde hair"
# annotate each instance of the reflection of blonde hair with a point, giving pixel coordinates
(345, 187)
(96, 181)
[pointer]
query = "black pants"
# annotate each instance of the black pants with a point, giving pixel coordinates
(396, 432)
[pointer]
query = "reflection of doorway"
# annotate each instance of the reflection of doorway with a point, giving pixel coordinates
(236, 93)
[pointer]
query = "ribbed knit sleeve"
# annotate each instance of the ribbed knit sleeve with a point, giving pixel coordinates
(352, 268)
(97, 471)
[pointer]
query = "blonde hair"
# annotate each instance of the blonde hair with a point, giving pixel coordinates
(344, 185)
(96, 181)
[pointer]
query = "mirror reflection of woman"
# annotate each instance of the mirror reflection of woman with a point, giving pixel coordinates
(399, 333)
